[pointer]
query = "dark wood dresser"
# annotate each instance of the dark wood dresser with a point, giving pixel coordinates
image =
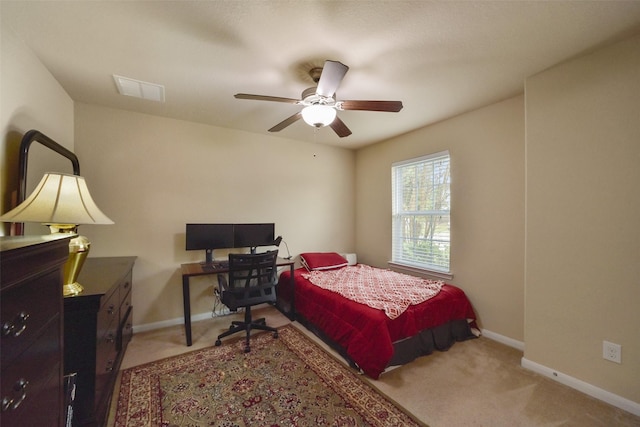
(97, 329)
(31, 339)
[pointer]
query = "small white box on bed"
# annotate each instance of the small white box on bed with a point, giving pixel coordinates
(352, 259)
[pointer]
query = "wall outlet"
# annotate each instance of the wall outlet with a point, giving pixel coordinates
(612, 352)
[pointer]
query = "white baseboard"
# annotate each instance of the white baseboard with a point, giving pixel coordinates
(591, 390)
(177, 321)
(518, 345)
(586, 388)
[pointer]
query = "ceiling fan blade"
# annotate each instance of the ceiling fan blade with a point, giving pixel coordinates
(388, 106)
(286, 122)
(340, 128)
(332, 74)
(266, 98)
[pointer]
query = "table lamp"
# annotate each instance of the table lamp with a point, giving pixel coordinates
(62, 202)
(277, 243)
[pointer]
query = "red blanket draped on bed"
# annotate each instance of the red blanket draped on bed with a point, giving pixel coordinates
(367, 334)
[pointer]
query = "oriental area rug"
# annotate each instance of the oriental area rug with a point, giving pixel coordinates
(289, 381)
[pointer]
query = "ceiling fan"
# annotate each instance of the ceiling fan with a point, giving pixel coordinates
(320, 104)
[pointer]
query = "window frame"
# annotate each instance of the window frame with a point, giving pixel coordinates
(411, 265)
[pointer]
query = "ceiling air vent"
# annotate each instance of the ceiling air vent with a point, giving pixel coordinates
(139, 89)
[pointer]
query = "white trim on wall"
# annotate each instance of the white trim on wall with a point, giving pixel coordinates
(586, 388)
(518, 345)
(177, 321)
(591, 390)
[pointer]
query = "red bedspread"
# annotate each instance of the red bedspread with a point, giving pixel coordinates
(367, 334)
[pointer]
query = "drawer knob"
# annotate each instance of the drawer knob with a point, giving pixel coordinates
(111, 309)
(16, 327)
(20, 388)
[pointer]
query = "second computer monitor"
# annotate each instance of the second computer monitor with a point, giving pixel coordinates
(253, 235)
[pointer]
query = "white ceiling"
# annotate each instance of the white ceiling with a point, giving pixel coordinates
(439, 58)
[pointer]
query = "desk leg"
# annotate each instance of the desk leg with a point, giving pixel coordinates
(186, 300)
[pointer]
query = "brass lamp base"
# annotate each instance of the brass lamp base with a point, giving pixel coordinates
(72, 289)
(78, 250)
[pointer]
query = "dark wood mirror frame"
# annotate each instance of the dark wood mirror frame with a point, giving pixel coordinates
(37, 136)
(29, 138)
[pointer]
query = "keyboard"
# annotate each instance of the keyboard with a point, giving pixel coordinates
(216, 265)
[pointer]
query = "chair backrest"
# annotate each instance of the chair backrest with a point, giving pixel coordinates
(252, 279)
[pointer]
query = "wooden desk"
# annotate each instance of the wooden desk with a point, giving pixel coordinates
(198, 269)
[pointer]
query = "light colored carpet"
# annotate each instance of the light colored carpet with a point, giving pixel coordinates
(476, 383)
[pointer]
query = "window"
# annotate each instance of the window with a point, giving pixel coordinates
(421, 200)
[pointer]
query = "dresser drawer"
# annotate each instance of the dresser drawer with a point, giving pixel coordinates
(42, 409)
(125, 287)
(106, 358)
(106, 349)
(109, 313)
(26, 309)
(126, 304)
(33, 381)
(126, 330)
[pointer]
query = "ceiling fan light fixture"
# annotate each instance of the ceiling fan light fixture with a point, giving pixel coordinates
(318, 115)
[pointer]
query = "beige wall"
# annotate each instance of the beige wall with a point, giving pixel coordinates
(152, 175)
(583, 212)
(487, 224)
(30, 99)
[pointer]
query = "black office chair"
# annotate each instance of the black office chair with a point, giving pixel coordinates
(252, 281)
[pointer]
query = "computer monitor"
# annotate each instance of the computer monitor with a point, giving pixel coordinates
(208, 237)
(253, 235)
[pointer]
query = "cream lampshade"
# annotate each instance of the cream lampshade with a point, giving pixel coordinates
(62, 202)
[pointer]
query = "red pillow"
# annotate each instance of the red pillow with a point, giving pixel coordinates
(322, 260)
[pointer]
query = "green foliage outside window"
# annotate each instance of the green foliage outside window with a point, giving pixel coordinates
(421, 212)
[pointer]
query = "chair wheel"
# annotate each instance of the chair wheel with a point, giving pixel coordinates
(275, 335)
(218, 343)
(247, 349)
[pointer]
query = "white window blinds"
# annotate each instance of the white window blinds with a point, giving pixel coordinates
(421, 200)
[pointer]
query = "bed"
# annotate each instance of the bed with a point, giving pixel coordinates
(369, 338)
